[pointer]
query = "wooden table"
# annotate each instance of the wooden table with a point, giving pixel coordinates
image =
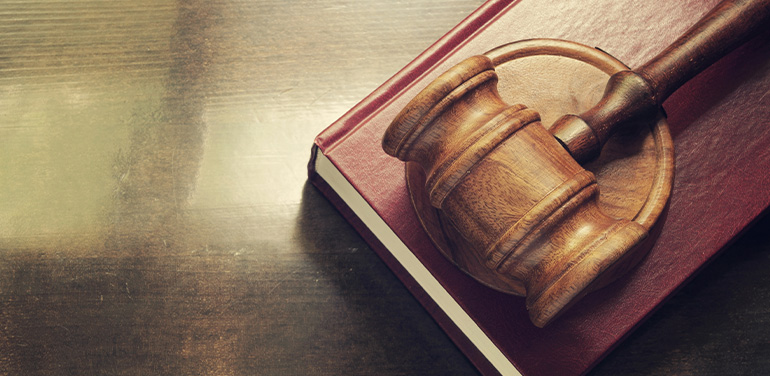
(155, 216)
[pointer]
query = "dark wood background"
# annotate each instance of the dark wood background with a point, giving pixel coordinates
(155, 216)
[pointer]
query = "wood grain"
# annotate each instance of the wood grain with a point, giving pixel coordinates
(154, 215)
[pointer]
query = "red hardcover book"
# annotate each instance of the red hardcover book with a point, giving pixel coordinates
(721, 137)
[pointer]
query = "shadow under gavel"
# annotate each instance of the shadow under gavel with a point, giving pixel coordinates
(517, 192)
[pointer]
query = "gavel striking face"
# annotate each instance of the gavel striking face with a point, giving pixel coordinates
(516, 192)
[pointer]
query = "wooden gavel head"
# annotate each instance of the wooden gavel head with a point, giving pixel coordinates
(511, 190)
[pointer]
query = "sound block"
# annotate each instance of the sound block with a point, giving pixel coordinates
(635, 170)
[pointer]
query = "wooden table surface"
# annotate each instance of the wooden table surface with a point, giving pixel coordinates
(155, 216)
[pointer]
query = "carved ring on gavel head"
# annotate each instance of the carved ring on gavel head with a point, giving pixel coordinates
(508, 201)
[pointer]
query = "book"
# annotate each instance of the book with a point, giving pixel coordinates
(721, 136)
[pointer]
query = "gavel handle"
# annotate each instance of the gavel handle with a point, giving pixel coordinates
(727, 26)
(635, 95)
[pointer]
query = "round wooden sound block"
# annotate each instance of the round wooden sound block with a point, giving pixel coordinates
(634, 170)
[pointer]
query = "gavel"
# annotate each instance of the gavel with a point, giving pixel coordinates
(516, 192)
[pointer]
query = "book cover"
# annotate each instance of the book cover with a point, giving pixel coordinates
(720, 131)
